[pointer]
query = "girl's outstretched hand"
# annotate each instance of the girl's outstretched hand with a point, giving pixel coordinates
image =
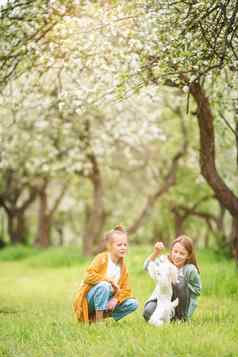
(158, 247)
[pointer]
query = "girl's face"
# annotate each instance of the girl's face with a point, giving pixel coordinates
(119, 246)
(179, 255)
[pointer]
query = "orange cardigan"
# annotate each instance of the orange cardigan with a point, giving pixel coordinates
(96, 273)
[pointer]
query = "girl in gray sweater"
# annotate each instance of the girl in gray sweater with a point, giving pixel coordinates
(188, 287)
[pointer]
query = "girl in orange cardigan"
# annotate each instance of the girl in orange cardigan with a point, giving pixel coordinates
(105, 290)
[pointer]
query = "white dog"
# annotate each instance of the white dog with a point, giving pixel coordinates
(165, 274)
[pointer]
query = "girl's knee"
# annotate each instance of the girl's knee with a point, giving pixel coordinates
(104, 286)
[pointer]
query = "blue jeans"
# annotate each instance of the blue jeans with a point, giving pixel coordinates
(99, 295)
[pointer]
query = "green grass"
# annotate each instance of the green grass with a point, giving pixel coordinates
(36, 320)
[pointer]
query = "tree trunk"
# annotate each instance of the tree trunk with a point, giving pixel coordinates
(44, 221)
(96, 215)
(206, 239)
(60, 232)
(16, 227)
(222, 238)
(234, 238)
(178, 220)
(15, 202)
(207, 155)
(46, 214)
(237, 139)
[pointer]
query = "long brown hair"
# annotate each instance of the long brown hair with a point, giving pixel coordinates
(187, 243)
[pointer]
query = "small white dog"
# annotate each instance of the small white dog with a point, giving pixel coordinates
(165, 274)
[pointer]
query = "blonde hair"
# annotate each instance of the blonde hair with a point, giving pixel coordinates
(118, 230)
(187, 243)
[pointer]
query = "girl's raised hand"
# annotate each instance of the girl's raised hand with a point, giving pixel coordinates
(157, 250)
(158, 247)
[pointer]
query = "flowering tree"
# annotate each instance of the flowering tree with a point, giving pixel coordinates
(25, 23)
(179, 44)
(49, 137)
(99, 53)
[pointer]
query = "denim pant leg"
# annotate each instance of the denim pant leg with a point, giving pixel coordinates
(125, 308)
(98, 296)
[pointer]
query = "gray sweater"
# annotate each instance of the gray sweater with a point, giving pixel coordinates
(191, 278)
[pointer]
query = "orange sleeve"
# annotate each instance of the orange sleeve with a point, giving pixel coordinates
(96, 270)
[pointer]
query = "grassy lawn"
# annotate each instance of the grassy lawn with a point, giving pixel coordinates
(36, 320)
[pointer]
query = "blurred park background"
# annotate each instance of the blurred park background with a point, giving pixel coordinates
(116, 112)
